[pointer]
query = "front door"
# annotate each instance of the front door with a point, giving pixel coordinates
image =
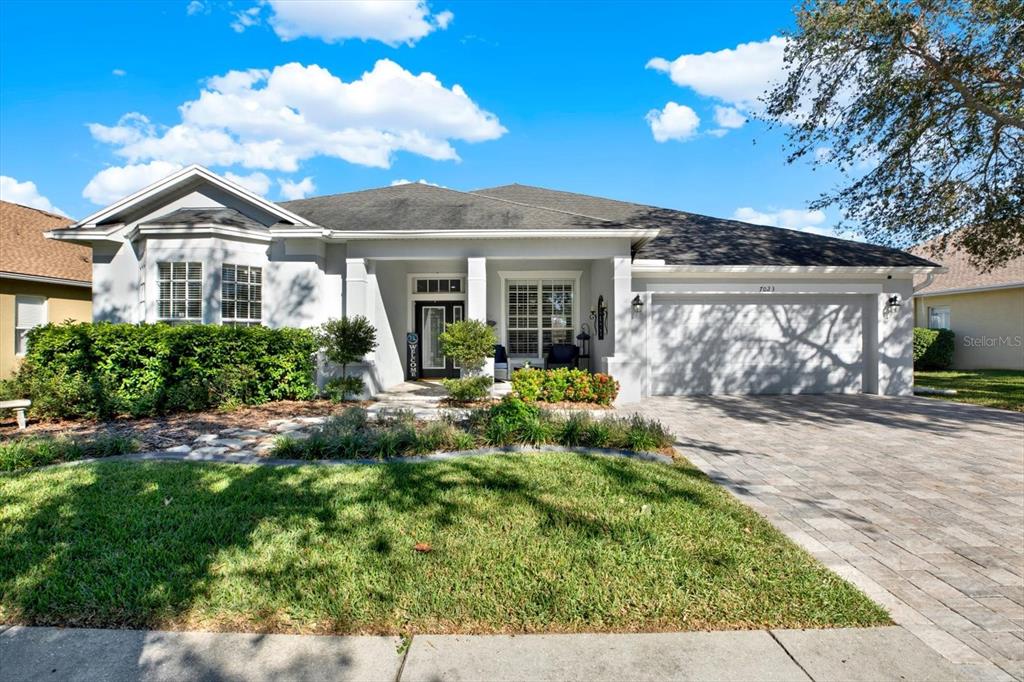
(431, 319)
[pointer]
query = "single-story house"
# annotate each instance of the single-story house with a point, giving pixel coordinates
(40, 280)
(984, 309)
(674, 302)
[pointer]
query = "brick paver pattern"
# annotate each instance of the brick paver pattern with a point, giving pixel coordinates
(918, 502)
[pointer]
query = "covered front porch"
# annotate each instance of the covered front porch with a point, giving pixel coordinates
(531, 303)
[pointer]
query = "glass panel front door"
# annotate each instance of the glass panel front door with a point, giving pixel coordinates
(433, 325)
(432, 317)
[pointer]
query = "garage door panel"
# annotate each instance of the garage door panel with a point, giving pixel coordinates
(735, 344)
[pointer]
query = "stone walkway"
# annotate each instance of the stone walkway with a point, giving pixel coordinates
(917, 501)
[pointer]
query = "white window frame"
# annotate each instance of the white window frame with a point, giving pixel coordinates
(234, 320)
(538, 277)
(940, 308)
(22, 329)
(427, 296)
(202, 291)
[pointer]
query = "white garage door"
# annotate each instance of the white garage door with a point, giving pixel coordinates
(747, 344)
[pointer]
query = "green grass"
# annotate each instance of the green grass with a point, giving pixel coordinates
(529, 543)
(989, 387)
(34, 451)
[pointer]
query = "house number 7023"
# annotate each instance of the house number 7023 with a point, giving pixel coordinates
(766, 289)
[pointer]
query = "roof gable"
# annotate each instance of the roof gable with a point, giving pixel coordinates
(149, 199)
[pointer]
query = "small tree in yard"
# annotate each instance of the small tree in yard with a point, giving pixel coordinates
(469, 343)
(343, 341)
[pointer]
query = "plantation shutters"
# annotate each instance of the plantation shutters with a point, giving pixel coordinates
(540, 313)
(29, 312)
(241, 293)
(181, 291)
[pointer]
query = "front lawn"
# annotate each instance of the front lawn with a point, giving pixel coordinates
(989, 387)
(526, 543)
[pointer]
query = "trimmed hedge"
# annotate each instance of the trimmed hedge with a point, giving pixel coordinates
(933, 348)
(564, 384)
(104, 369)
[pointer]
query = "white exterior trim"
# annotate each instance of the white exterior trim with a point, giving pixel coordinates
(503, 275)
(183, 175)
(968, 290)
(410, 320)
(46, 317)
(46, 280)
(198, 230)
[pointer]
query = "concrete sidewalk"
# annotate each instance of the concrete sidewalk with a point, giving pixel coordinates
(118, 655)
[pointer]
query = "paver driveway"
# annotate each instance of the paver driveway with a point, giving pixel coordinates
(918, 502)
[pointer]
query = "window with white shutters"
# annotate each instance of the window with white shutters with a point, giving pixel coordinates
(539, 314)
(180, 287)
(241, 295)
(29, 312)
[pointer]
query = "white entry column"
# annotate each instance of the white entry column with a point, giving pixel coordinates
(626, 365)
(357, 293)
(476, 297)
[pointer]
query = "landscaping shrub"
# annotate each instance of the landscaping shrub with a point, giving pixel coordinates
(933, 348)
(564, 384)
(351, 435)
(469, 343)
(36, 451)
(469, 389)
(104, 369)
(344, 341)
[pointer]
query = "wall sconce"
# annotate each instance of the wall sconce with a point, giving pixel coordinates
(638, 304)
(598, 315)
(893, 304)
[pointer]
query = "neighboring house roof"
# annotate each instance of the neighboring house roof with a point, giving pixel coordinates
(416, 207)
(693, 239)
(962, 276)
(25, 251)
(227, 217)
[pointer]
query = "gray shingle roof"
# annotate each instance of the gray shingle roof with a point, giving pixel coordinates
(227, 217)
(693, 239)
(417, 206)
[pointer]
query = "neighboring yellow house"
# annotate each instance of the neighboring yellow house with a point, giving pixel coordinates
(41, 280)
(984, 309)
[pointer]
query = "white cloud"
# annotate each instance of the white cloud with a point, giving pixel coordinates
(119, 72)
(246, 18)
(296, 190)
(789, 218)
(421, 181)
(25, 193)
(674, 122)
(197, 7)
(729, 117)
(736, 76)
(116, 182)
(822, 154)
(257, 183)
(276, 119)
(394, 23)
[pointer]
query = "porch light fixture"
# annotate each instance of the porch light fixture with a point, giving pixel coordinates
(893, 303)
(638, 304)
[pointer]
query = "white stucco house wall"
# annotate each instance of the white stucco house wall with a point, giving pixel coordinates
(674, 302)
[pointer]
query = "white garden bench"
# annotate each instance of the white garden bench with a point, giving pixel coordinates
(19, 407)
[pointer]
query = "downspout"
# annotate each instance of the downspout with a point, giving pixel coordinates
(929, 278)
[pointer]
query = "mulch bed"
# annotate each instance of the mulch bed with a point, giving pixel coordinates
(160, 432)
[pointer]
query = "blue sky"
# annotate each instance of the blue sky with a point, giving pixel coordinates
(557, 95)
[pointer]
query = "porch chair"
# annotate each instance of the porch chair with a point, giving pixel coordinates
(500, 363)
(562, 355)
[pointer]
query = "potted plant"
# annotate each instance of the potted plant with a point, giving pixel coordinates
(469, 343)
(343, 341)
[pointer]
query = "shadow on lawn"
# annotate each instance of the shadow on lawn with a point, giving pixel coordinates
(136, 545)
